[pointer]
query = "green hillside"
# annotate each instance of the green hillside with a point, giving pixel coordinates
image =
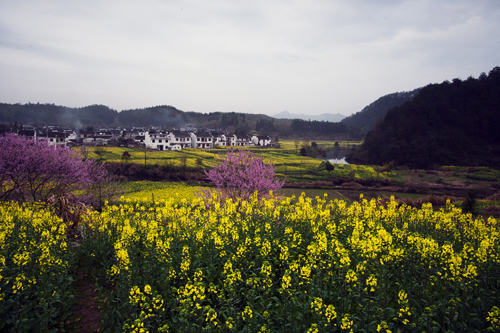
(452, 123)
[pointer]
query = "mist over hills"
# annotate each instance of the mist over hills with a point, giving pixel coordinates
(337, 117)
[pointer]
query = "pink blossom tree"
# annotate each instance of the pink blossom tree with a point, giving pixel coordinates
(240, 174)
(33, 170)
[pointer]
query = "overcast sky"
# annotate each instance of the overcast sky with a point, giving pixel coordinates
(255, 56)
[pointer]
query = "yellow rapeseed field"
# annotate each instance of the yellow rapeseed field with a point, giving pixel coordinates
(35, 270)
(288, 265)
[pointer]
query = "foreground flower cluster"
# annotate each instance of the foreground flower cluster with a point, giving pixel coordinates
(292, 265)
(35, 270)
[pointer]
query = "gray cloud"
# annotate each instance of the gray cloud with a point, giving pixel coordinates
(256, 56)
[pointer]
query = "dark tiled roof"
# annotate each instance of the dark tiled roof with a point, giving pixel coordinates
(27, 132)
(180, 134)
(203, 135)
(56, 135)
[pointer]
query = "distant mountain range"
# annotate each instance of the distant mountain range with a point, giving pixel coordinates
(168, 117)
(337, 117)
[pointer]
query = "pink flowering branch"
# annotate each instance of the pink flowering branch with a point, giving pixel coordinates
(241, 174)
(33, 170)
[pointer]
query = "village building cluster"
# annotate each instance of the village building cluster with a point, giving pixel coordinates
(154, 138)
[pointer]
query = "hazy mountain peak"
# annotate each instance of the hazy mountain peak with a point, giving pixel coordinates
(337, 117)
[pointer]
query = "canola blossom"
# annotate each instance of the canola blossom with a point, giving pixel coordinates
(35, 267)
(288, 265)
(144, 192)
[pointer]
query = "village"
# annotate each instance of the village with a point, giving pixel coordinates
(154, 138)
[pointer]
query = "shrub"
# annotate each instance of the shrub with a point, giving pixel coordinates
(469, 204)
(329, 167)
(126, 156)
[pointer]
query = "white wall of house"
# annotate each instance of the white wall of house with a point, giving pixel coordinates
(232, 140)
(57, 141)
(159, 141)
(201, 141)
(183, 142)
(72, 136)
(263, 141)
(220, 140)
(242, 141)
(175, 147)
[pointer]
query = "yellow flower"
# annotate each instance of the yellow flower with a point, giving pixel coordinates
(247, 313)
(285, 281)
(147, 289)
(371, 282)
(313, 329)
(211, 315)
(330, 313)
(346, 322)
(494, 318)
(230, 323)
(351, 277)
(317, 305)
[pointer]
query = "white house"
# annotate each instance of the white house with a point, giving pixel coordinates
(180, 139)
(202, 140)
(262, 140)
(231, 140)
(220, 139)
(241, 140)
(157, 140)
(56, 138)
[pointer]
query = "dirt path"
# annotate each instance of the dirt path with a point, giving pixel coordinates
(87, 314)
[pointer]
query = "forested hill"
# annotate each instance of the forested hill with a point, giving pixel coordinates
(366, 119)
(452, 123)
(50, 114)
(168, 117)
(100, 115)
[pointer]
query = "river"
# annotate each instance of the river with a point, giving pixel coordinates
(336, 156)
